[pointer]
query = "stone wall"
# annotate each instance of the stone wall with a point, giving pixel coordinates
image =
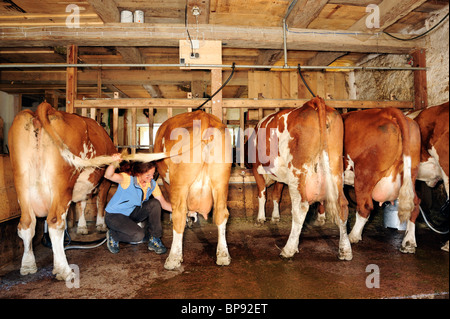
(386, 85)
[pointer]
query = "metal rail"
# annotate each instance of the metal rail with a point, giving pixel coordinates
(208, 66)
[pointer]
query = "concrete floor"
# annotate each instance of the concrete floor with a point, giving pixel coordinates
(256, 270)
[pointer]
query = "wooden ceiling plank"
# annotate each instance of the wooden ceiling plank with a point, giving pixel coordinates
(304, 12)
(391, 11)
(106, 10)
(203, 18)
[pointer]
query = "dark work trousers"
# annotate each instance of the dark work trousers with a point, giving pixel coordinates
(125, 228)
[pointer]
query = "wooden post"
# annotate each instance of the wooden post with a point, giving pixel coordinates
(217, 101)
(420, 80)
(116, 122)
(71, 77)
(133, 130)
(151, 121)
(99, 95)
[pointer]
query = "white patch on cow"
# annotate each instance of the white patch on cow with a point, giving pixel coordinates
(223, 257)
(60, 266)
(261, 208)
(299, 210)
(28, 265)
(356, 233)
(345, 249)
(444, 177)
(83, 186)
(430, 171)
(276, 212)
(176, 252)
(88, 151)
(82, 227)
(409, 241)
(100, 222)
(349, 173)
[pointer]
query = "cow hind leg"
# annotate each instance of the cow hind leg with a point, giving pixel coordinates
(364, 205)
(276, 195)
(82, 226)
(101, 204)
(409, 241)
(356, 234)
(26, 230)
(261, 185)
(299, 211)
(220, 218)
(179, 214)
(56, 228)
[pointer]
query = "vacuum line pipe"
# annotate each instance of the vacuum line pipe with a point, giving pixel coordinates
(207, 66)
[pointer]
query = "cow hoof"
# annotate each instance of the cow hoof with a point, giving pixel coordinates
(287, 254)
(445, 247)
(345, 255)
(65, 274)
(28, 270)
(354, 239)
(82, 230)
(172, 263)
(408, 249)
(275, 220)
(260, 222)
(223, 260)
(102, 228)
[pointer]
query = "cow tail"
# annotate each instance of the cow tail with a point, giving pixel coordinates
(406, 193)
(332, 194)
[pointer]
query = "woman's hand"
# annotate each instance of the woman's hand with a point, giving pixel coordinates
(117, 157)
(110, 170)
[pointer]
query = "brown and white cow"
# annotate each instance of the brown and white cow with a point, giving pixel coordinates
(302, 148)
(196, 179)
(46, 183)
(434, 154)
(381, 148)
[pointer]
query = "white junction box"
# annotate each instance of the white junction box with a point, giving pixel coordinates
(200, 52)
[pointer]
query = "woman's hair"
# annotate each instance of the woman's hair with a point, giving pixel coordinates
(136, 168)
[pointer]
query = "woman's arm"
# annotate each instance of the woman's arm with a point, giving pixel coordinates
(164, 204)
(110, 170)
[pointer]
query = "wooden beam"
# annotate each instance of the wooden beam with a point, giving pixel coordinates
(390, 12)
(112, 34)
(117, 77)
(71, 78)
(233, 103)
(106, 10)
(420, 80)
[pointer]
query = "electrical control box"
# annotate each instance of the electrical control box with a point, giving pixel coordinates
(200, 52)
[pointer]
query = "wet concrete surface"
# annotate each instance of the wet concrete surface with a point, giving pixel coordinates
(256, 270)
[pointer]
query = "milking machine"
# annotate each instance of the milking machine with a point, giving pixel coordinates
(68, 243)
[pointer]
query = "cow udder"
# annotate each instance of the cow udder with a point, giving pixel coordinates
(200, 198)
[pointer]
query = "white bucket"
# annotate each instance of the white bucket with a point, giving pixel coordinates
(390, 217)
(126, 16)
(139, 16)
